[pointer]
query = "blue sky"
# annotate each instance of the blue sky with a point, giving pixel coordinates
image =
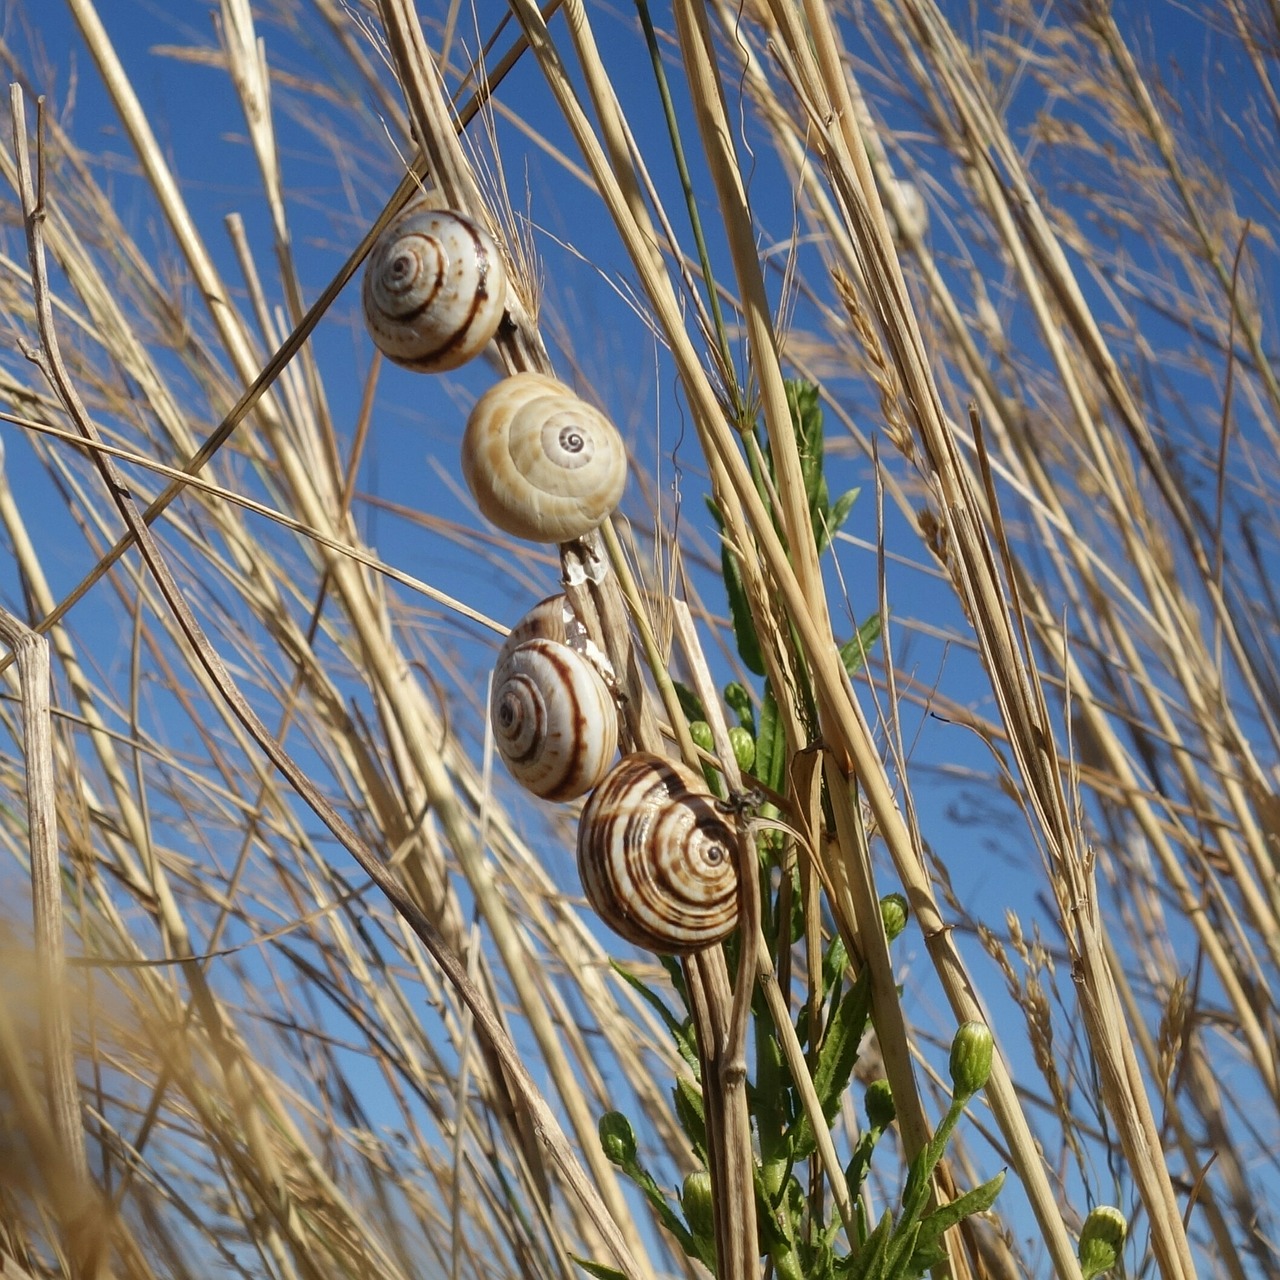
(199, 122)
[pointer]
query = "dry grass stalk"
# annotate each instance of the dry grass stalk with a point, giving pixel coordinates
(287, 1069)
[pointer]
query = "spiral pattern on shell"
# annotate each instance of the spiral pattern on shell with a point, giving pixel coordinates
(549, 619)
(435, 290)
(656, 857)
(554, 721)
(542, 463)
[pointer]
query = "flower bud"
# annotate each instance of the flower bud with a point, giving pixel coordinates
(893, 911)
(744, 747)
(879, 1105)
(1101, 1239)
(616, 1139)
(700, 732)
(971, 1052)
(696, 1201)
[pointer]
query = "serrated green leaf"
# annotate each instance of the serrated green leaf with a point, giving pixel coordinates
(836, 1060)
(927, 1249)
(617, 1140)
(868, 1263)
(834, 964)
(924, 1257)
(853, 653)
(662, 1207)
(900, 1251)
(979, 1200)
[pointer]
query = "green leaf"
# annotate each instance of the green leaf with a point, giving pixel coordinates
(836, 1060)
(853, 653)
(771, 1106)
(806, 421)
(690, 1113)
(868, 1263)
(928, 1250)
(681, 1031)
(856, 1171)
(771, 744)
(744, 626)
(900, 1251)
(834, 964)
(979, 1200)
(690, 703)
(834, 519)
(598, 1269)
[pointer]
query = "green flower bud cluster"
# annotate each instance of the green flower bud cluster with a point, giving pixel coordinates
(1101, 1240)
(971, 1052)
(740, 739)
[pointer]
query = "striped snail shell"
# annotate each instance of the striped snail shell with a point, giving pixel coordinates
(656, 857)
(549, 619)
(554, 720)
(554, 619)
(542, 463)
(435, 289)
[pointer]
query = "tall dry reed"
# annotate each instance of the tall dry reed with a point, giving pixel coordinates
(297, 983)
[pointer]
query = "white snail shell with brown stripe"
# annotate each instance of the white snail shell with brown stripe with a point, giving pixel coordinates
(542, 463)
(549, 619)
(435, 289)
(656, 857)
(554, 720)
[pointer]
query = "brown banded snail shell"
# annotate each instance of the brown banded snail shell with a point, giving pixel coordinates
(435, 289)
(656, 857)
(542, 463)
(549, 619)
(554, 721)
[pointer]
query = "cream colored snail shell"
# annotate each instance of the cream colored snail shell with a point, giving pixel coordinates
(656, 857)
(542, 463)
(554, 721)
(549, 619)
(435, 290)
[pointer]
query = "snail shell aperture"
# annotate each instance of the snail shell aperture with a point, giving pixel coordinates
(554, 721)
(542, 463)
(435, 290)
(656, 857)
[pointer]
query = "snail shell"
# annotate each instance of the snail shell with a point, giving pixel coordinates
(549, 619)
(554, 721)
(435, 290)
(542, 463)
(554, 619)
(656, 857)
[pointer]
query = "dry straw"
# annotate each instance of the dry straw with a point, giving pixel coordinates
(330, 1002)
